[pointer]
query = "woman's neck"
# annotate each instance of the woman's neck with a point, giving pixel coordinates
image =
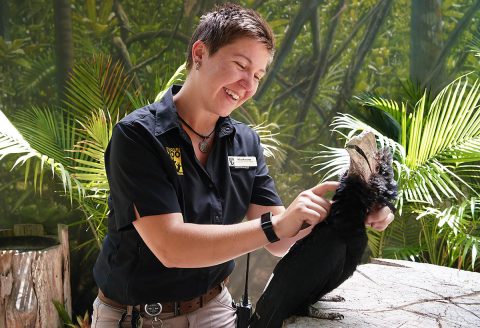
(192, 111)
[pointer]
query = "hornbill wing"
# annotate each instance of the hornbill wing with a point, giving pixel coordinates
(306, 273)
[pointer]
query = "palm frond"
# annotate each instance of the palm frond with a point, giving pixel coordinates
(12, 142)
(474, 44)
(97, 84)
(62, 313)
(272, 147)
(178, 77)
(466, 151)
(446, 133)
(413, 92)
(401, 240)
(91, 169)
(95, 209)
(328, 89)
(353, 126)
(332, 161)
(432, 180)
(470, 172)
(137, 100)
(452, 120)
(253, 115)
(41, 70)
(43, 129)
(453, 233)
(407, 253)
(391, 107)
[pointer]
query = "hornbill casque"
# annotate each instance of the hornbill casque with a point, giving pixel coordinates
(320, 262)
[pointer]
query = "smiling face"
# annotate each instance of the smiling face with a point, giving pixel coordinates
(231, 75)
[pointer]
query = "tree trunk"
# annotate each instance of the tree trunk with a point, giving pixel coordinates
(305, 11)
(122, 19)
(125, 57)
(4, 20)
(34, 271)
(63, 43)
(425, 38)
(435, 76)
(361, 52)
(319, 71)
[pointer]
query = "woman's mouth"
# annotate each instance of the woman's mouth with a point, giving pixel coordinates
(232, 94)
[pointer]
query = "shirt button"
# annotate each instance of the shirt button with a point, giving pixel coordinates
(210, 185)
(227, 129)
(217, 218)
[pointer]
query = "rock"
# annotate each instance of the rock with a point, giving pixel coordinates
(392, 293)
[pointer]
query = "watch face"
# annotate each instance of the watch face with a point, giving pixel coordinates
(153, 309)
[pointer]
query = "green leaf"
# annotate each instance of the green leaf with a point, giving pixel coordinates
(62, 312)
(178, 77)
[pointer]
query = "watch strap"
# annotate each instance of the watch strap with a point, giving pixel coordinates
(267, 227)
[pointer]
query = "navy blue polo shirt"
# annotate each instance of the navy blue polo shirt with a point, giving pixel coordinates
(150, 162)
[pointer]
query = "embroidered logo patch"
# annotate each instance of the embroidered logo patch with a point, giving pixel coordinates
(176, 157)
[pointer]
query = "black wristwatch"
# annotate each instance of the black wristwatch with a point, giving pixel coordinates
(267, 227)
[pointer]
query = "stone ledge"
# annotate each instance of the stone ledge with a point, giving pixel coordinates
(393, 293)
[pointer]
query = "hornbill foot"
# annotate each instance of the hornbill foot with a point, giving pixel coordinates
(334, 298)
(318, 314)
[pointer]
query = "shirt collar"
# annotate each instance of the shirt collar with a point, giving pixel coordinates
(166, 116)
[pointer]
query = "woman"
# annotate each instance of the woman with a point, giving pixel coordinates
(183, 175)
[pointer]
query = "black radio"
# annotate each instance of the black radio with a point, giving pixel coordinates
(244, 307)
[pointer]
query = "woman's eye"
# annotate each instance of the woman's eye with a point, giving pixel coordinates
(240, 65)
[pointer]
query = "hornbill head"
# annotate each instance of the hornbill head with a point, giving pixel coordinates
(362, 150)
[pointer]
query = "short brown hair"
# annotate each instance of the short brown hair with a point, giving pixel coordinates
(226, 23)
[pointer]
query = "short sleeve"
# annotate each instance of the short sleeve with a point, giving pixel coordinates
(264, 192)
(138, 173)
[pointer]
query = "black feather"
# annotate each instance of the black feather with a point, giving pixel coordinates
(329, 255)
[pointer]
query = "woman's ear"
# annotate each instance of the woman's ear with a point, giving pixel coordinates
(199, 51)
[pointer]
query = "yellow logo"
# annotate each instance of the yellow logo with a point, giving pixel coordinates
(176, 157)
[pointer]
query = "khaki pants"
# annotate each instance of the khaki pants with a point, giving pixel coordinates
(218, 313)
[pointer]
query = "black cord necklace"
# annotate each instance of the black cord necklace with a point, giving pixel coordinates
(202, 145)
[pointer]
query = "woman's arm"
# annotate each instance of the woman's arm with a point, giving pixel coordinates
(187, 245)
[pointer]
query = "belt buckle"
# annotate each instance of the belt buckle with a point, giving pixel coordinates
(153, 309)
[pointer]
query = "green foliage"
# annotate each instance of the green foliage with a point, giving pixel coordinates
(13, 142)
(82, 322)
(177, 78)
(435, 143)
(40, 71)
(63, 144)
(265, 124)
(452, 235)
(12, 53)
(97, 84)
(72, 141)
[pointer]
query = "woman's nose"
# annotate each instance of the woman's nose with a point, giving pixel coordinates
(249, 83)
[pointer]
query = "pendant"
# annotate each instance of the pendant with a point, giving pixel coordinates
(203, 146)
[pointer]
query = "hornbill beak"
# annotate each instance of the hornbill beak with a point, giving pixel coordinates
(362, 150)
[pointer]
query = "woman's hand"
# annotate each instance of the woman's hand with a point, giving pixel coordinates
(309, 208)
(379, 219)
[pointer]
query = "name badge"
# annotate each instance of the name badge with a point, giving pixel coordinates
(242, 161)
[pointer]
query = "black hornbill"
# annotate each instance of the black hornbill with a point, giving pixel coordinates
(329, 255)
